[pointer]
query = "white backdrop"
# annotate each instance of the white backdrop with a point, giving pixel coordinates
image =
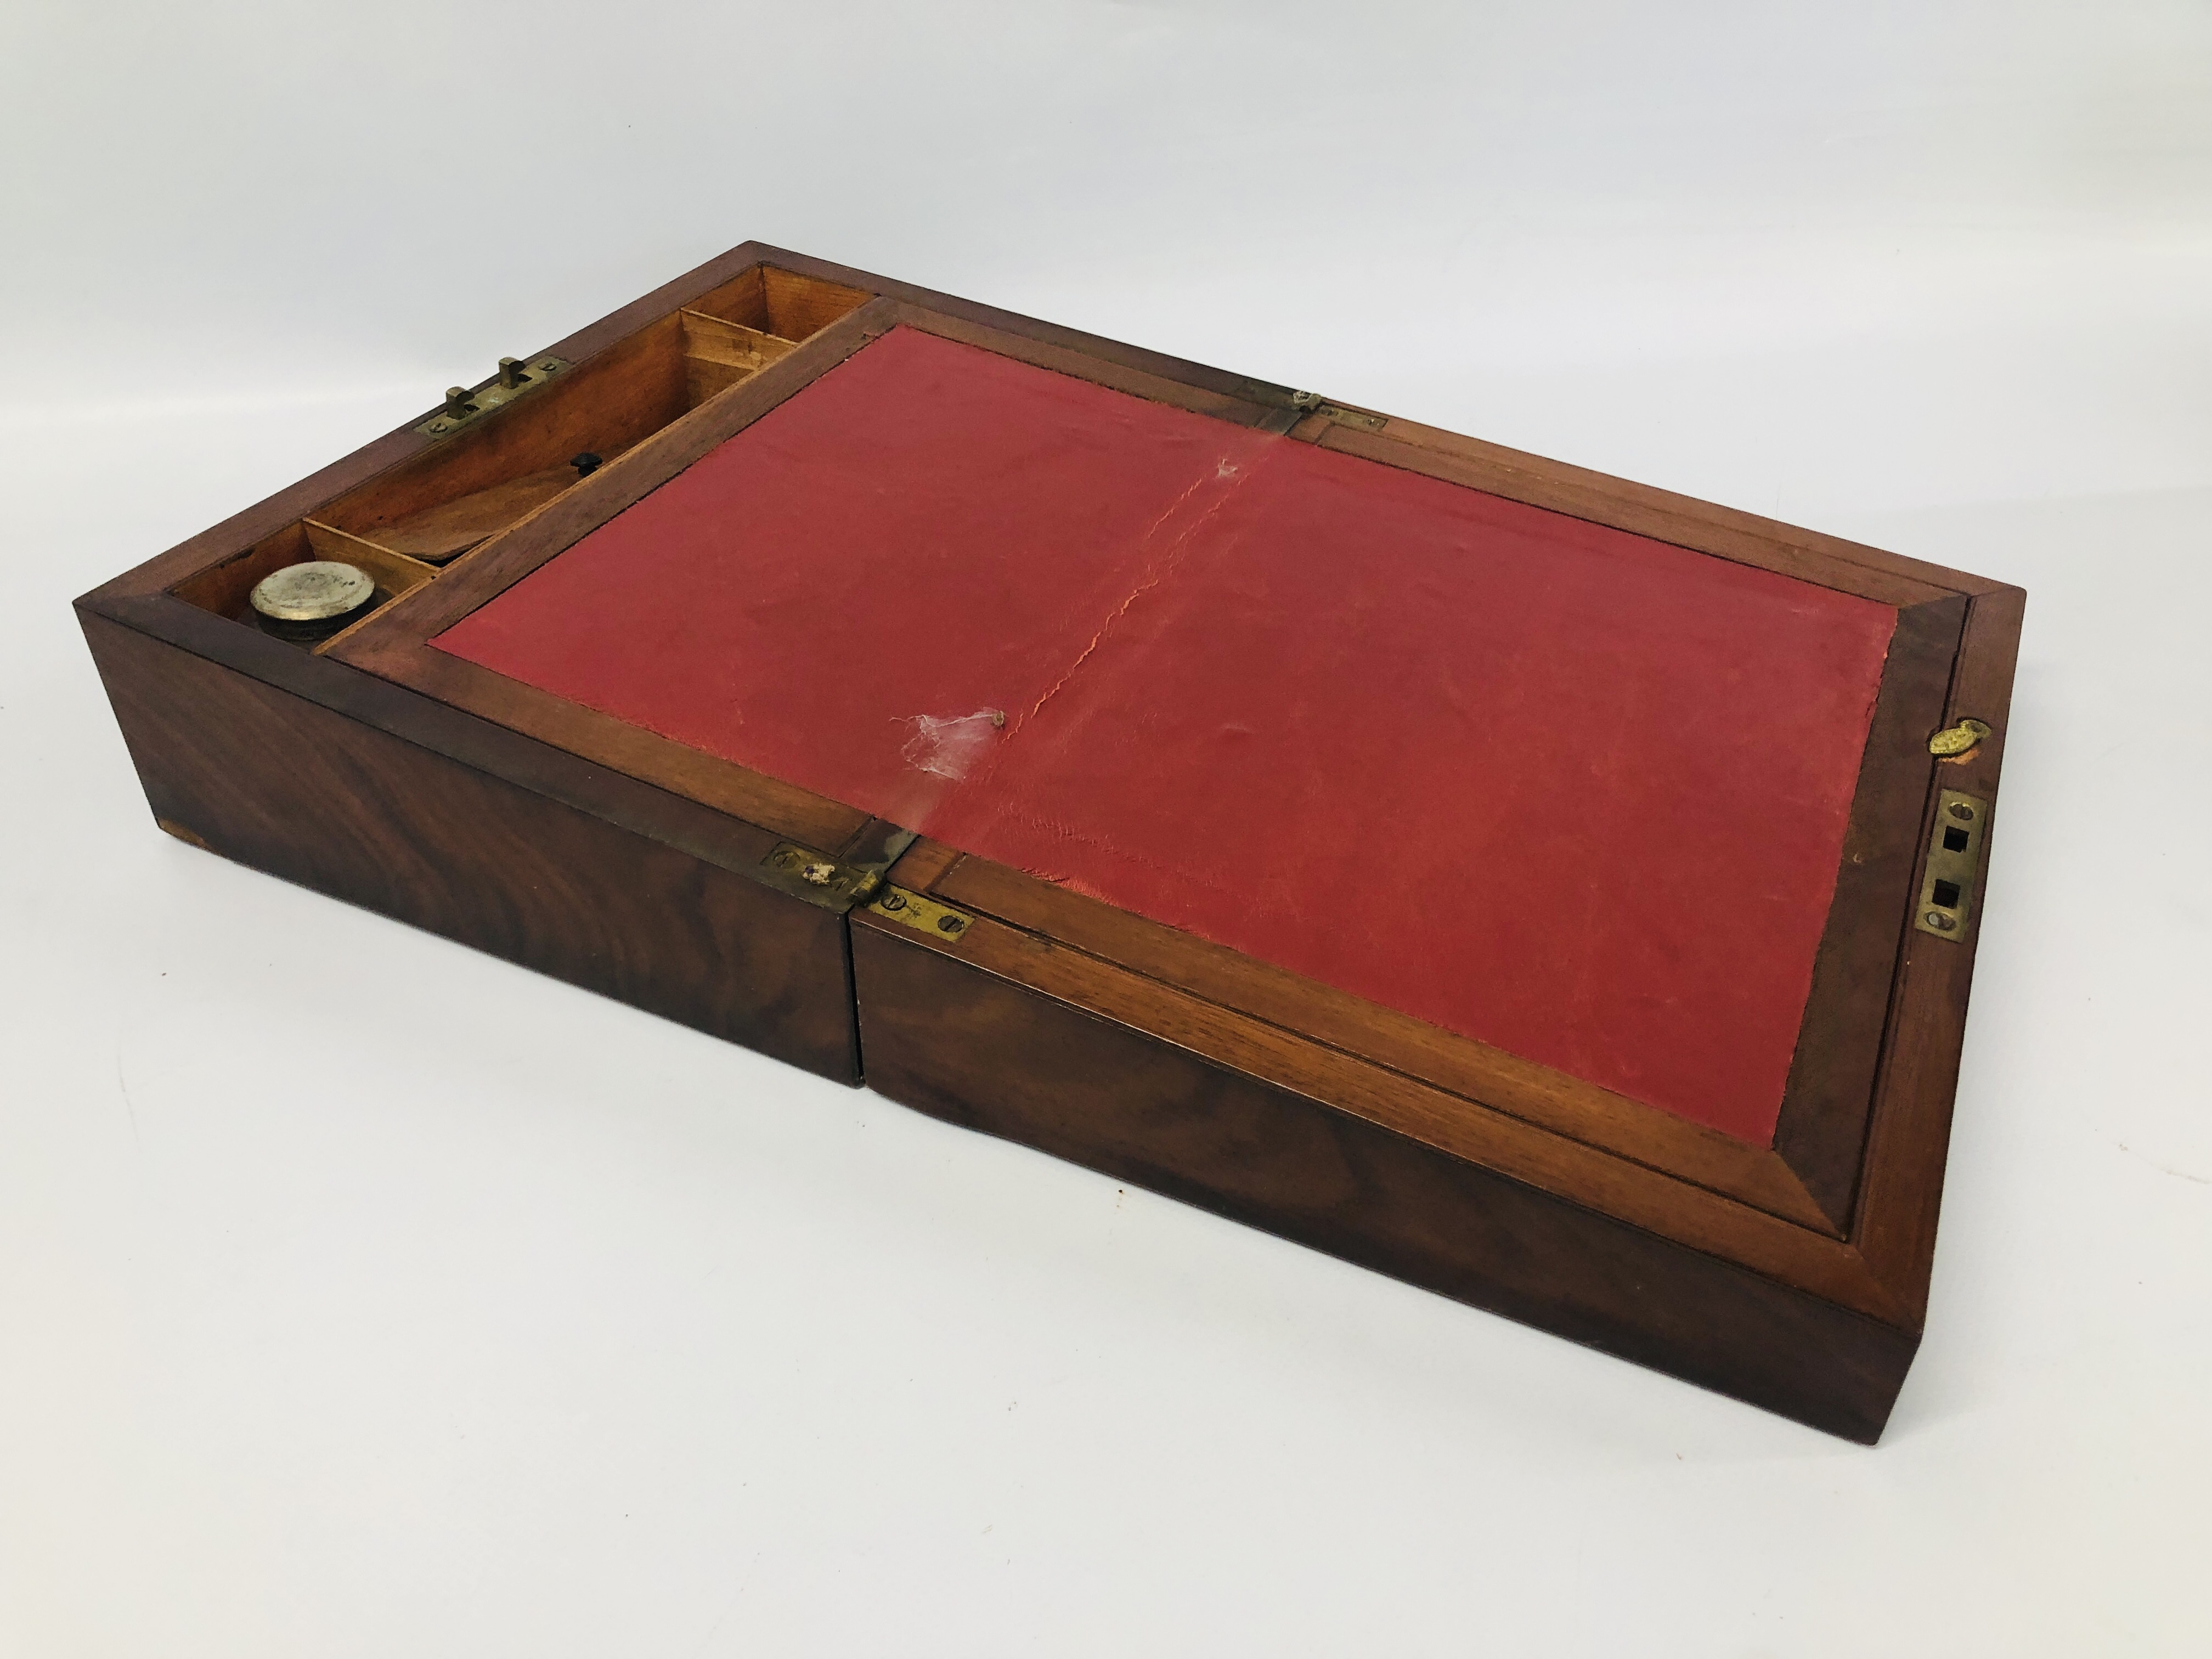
(540, 1327)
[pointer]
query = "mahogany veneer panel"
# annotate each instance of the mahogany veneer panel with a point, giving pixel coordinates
(281, 783)
(984, 1053)
(1366, 852)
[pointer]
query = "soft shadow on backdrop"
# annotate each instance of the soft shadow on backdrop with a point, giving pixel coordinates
(533, 1325)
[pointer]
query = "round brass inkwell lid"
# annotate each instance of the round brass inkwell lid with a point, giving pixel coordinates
(305, 600)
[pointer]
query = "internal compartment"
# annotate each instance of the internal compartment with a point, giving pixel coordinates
(408, 523)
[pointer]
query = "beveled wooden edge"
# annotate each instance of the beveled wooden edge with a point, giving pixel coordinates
(791, 812)
(1529, 1152)
(1901, 1189)
(1489, 1079)
(1738, 539)
(1684, 520)
(1156, 365)
(1082, 363)
(1828, 1099)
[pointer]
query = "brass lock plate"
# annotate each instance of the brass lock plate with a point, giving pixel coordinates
(1312, 403)
(1955, 865)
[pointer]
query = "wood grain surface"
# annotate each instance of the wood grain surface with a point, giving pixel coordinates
(948, 1038)
(287, 786)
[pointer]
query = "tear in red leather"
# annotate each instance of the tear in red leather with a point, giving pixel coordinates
(1571, 791)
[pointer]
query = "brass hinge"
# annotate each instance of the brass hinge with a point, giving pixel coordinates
(835, 883)
(1312, 403)
(1955, 865)
(464, 403)
(817, 877)
(1359, 417)
(924, 916)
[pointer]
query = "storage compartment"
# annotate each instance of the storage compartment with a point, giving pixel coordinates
(501, 466)
(225, 588)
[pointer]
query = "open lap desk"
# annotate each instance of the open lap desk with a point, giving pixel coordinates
(1536, 886)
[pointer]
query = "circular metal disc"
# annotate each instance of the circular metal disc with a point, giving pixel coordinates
(312, 593)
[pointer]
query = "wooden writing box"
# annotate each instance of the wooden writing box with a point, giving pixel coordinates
(1552, 892)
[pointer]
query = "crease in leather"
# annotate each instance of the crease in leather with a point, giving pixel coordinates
(1225, 473)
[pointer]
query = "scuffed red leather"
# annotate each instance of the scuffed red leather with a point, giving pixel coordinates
(1571, 791)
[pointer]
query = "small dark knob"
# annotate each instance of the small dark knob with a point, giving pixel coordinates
(585, 464)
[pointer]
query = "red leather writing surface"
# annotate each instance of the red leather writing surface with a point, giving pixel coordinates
(1571, 791)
